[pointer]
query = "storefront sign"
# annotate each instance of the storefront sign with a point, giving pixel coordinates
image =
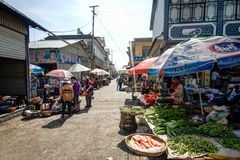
(139, 58)
(43, 56)
(192, 31)
(225, 48)
(68, 58)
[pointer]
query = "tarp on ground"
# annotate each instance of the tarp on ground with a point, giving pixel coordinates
(196, 55)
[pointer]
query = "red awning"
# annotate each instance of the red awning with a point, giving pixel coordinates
(142, 67)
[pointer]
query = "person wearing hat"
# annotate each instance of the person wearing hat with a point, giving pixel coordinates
(233, 94)
(66, 95)
(88, 91)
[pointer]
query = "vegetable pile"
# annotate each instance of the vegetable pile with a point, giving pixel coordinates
(231, 141)
(191, 144)
(133, 110)
(166, 114)
(145, 142)
(214, 130)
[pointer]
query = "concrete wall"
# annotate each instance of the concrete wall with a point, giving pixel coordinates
(158, 25)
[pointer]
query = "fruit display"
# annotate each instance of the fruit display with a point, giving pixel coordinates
(191, 145)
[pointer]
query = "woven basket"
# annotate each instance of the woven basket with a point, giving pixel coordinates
(128, 138)
(128, 122)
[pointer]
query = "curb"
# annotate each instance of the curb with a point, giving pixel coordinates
(9, 116)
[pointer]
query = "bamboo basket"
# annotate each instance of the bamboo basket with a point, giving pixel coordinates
(156, 154)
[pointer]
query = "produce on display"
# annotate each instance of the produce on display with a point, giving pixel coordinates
(231, 141)
(167, 114)
(192, 145)
(145, 142)
(214, 129)
(133, 110)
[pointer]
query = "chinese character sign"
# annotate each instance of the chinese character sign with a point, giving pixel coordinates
(68, 58)
(43, 56)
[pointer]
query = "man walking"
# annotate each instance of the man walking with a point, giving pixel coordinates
(76, 89)
(67, 95)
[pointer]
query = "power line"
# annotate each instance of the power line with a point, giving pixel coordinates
(111, 37)
(73, 30)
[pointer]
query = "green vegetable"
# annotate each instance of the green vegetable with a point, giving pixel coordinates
(133, 110)
(192, 144)
(231, 141)
(214, 130)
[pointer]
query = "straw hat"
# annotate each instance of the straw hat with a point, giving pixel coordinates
(66, 80)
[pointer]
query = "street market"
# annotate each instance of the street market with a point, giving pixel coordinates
(95, 80)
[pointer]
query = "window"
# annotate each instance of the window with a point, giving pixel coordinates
(174, 13)
(231, 10)
(184, 11)
(211, 12)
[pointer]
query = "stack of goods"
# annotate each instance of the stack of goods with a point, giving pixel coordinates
(146, 144)
(7, 104)
(151, 97)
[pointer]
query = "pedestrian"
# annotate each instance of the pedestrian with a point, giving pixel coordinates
(55, 84)
(76, 89)
(66, 95)
(34, 83)
(214, 77)
(145, 84)
(88, 92)
(120, 82)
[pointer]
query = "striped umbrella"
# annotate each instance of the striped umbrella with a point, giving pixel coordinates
(61, 73)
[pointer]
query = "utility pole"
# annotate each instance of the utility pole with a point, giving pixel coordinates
(93, 19)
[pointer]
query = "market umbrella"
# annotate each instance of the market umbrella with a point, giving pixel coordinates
(36, 69)
(142, 67)
(78, 68)
(99, 72)
(196, 55)
(60, 73)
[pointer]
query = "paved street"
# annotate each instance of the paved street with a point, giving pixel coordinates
(89, 135)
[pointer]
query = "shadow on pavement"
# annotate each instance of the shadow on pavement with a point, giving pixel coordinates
(57, 123)
(122, 145)
(85, 110)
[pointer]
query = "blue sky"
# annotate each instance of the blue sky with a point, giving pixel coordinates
(119, 21)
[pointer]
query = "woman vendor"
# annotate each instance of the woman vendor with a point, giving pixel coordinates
(175, 91)
(145, 84)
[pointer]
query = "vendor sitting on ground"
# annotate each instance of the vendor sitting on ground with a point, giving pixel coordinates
(233, 94)
(145, 84)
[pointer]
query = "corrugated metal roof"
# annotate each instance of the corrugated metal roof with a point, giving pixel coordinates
(50, 43)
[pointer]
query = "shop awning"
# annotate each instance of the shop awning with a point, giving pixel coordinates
(142, 67)
(196, 55)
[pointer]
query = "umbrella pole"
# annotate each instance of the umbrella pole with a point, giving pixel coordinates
(200, 95)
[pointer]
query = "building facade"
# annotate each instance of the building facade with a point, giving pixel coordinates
(173, 21)
(56, 54)
(98, 47)
(139, 49)
(14, 60)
